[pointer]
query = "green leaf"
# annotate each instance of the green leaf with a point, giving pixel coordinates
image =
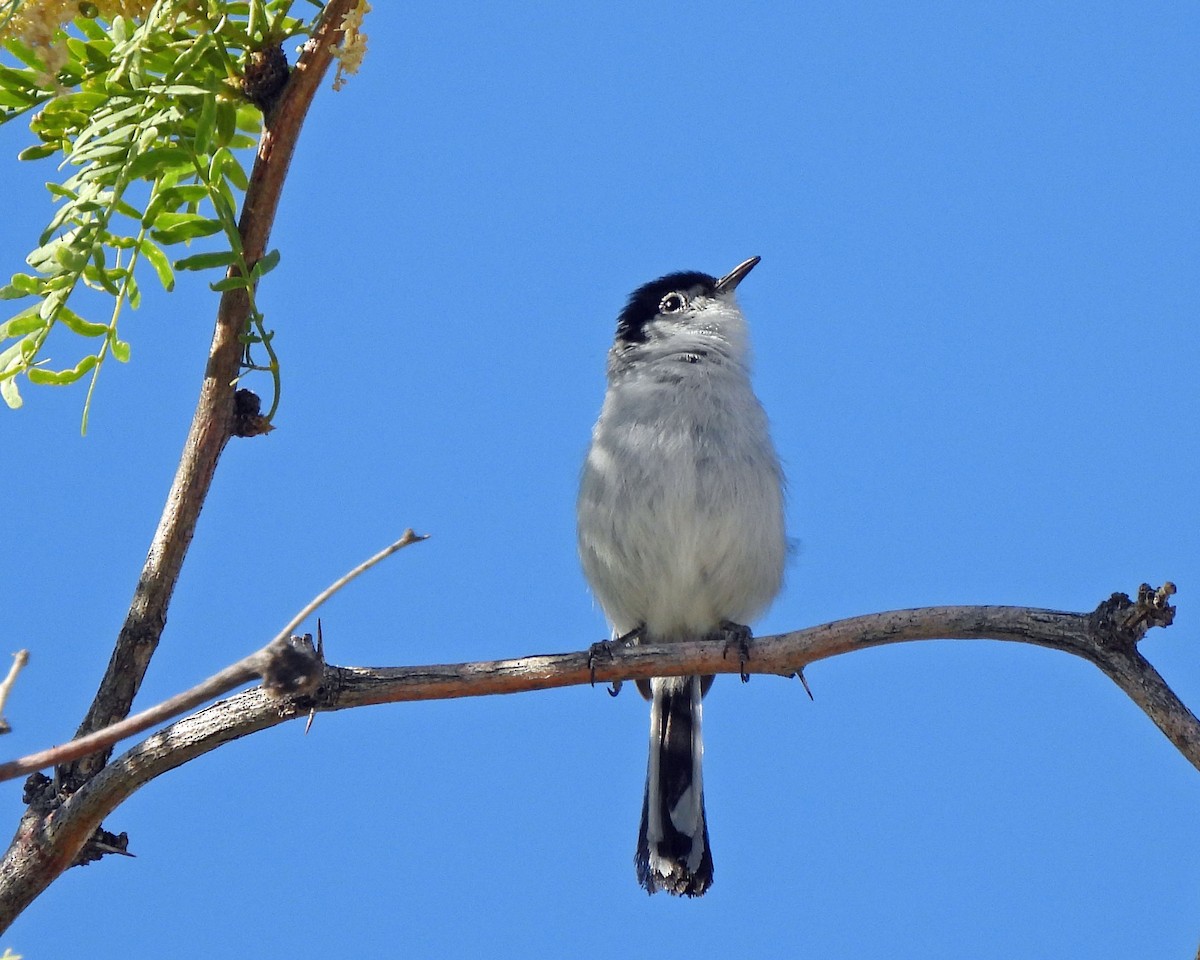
(122, 133)
(99, 278)
(160, 263)
(176, 227)
(232, 170)
(229, 283)
(94, 32)
(182, 90)
(199, 47)
(224, 204)
(43, 259)
(171, 199)
(249, 119)
(38, 152)
(205, 124)
(120, 349)
(95, 152)
(21, 285)
(190, 192)
(16, 98)
(12, 359)
(226, 122)
(70, 257)
(148, 135)
(51, 302)
(76, 324)
(98, 56)
(157, 160)
(58, 378)
(23, 323)
(134, 214)
(206, 261)
(265, 265)
(8, 390)
(25, 55)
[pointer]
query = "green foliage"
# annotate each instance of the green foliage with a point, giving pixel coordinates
(149, 119)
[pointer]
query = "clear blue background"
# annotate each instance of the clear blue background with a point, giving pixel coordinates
(975, 324)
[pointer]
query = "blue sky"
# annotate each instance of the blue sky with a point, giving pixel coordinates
(975, 326)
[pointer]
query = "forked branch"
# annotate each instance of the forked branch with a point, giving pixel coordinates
(1107, 637)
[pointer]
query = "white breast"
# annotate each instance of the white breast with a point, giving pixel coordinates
(681, 502)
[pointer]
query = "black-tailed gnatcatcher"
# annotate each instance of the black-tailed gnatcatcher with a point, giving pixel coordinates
(681, 527)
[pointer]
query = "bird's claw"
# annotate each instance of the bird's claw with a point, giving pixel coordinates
(605, 649)
(737, 637)
(602, 649)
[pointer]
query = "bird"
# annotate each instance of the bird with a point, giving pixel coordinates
(681, 529)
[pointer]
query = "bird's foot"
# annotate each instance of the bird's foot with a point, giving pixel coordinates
(605, 649)
(737, 637)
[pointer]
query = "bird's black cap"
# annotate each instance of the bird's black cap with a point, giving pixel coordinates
(644, 301)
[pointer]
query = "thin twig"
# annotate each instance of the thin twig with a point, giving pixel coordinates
(20, 658)
(257, 664)
(319, 600)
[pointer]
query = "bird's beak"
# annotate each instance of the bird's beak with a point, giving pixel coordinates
(729, 282)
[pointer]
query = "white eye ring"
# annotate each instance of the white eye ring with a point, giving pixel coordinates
(672, 303)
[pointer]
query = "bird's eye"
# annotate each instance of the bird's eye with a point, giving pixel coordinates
(672, 303)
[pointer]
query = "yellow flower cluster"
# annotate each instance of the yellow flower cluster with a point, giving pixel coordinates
(36, 21)
(354, 43)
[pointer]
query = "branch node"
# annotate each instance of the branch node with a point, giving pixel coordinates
(266, 74)
(1121, 623)
(291, 667)
(40, 794)
(248, 420)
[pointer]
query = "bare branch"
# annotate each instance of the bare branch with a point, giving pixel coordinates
(50, 837)
(213, 422)
(288, 665)
(319, 600)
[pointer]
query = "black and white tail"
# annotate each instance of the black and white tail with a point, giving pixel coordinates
(672, 851)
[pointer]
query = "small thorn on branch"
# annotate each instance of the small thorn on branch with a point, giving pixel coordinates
(101, 844)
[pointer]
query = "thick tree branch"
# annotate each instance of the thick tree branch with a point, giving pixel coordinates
(213, 422)
(55, 830)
